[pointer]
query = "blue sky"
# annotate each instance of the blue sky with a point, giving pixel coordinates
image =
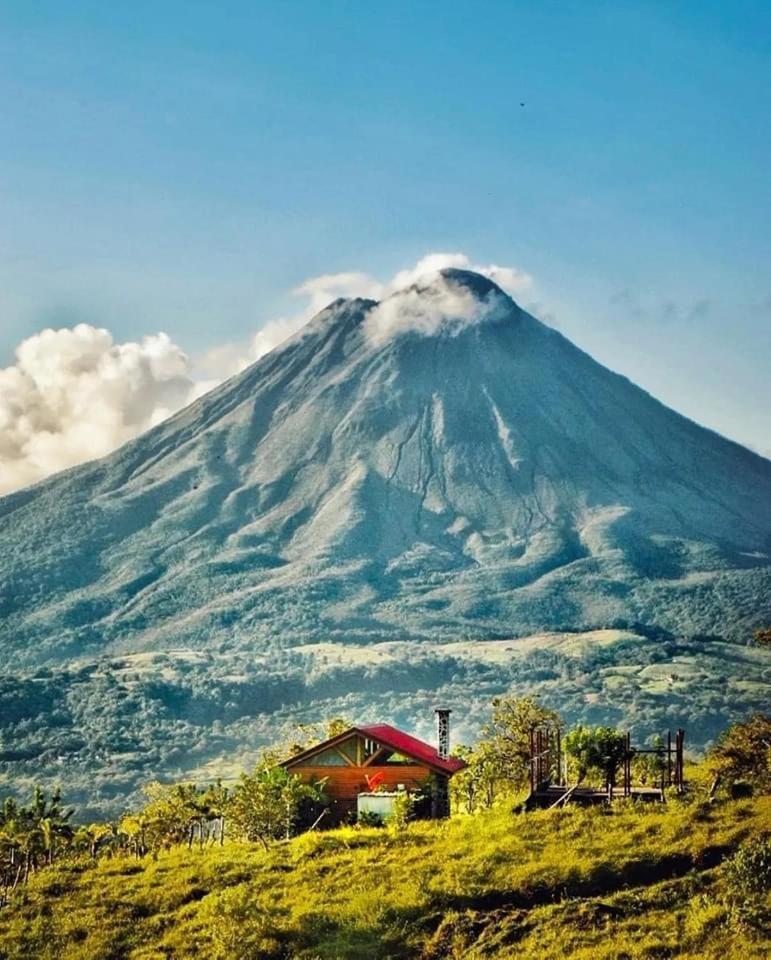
(180, 166)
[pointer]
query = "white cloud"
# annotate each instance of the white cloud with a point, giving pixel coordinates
(429, 304)
(418, 300)
(74, 394)
(322, 290)
(509, 279)
(431, 263)
(318, 292)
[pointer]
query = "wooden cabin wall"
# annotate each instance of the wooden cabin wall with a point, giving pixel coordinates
(344, 784)
(347, 782)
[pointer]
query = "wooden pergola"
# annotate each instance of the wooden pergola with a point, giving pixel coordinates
(549, 785)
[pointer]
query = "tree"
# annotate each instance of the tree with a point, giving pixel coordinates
(500, 761)
(132, 827)
(743, 752)
(31, 837)
(268, 804)
(473, 787)
(596, 749)
(763, 637)
(92, 837)
(308, 734)
(176, 814)
(506, 739)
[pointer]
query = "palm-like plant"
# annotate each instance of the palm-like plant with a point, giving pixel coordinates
(30, 837)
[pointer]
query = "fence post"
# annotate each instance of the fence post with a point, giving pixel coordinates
(663, 772)
(559, 756)
(628, 766)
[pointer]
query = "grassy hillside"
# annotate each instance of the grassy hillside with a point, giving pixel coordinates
(632, 882)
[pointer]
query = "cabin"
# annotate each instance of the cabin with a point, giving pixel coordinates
(364, 766)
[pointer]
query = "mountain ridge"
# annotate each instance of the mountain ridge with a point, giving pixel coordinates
(469, 470)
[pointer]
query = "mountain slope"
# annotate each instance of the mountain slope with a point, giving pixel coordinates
(435, 466)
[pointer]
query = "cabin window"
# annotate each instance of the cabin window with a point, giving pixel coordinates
(396, 759)
(326, 758)
(348, 747)
(370, 747)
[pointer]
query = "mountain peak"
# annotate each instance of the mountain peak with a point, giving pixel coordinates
(476, 283)
(433, 465)
(443, 302)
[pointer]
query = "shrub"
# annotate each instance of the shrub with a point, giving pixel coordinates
(748, 881)
(368, 818)
(743, 753)
(748, 872)
(402, 810)
(240, 927)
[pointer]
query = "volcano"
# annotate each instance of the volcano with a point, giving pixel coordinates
(439, 465)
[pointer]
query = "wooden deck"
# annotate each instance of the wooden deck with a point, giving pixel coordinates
(554, 795)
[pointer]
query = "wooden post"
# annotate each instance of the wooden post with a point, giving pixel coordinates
(669, 758)
(628, 766)
(663, 769)
(559, 756)
(538, 756)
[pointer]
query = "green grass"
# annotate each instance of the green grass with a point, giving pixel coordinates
(636, 882)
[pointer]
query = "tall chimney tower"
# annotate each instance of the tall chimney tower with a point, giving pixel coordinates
(443, 732)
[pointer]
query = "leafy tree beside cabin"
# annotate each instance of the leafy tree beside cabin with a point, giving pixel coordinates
(500, 762)
(272, 803)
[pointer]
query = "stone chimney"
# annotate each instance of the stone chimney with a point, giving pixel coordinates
(443, 732)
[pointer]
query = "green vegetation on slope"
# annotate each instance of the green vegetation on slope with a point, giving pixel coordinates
(632, 881)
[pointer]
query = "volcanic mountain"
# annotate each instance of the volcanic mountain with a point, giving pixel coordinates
(439, 465)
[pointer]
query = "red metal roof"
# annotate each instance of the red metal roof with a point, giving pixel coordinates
(388, 736)
(412, 747)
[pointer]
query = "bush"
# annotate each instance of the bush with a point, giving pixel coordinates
(748, 872)
(402, 810)
(748, 881)
(240, 927)
(742, 753)
(368, 818)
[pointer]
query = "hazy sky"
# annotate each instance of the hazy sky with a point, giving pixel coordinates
(181, 166)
